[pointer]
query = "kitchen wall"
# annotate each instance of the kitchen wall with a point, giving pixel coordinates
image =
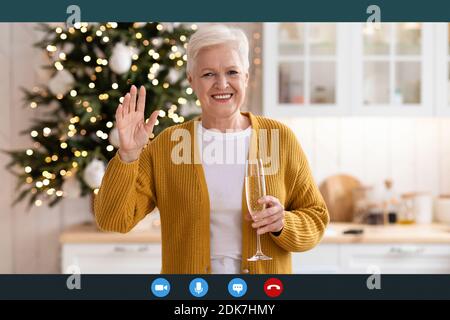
(415, 152)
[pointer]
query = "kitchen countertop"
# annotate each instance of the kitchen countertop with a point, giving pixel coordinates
(432, 233)
(414, 233)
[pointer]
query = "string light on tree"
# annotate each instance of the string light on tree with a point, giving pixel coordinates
(86, 84)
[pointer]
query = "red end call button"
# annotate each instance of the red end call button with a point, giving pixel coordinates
(273, 287)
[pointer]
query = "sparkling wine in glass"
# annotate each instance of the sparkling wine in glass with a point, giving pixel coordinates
(255, 188)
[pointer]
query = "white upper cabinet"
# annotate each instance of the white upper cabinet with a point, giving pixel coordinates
(303, 70)
(392, 69)
(442, 67)
(320, 69)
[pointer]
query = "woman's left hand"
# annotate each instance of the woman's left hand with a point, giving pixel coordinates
(270, 219)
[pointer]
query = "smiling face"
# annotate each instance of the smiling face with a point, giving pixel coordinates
(219, 81)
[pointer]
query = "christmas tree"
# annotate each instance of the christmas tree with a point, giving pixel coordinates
(93, 66)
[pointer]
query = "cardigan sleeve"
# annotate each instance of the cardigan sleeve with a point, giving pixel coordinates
(126, 194)
(306, 214)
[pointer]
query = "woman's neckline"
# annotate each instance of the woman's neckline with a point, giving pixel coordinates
(231, 133)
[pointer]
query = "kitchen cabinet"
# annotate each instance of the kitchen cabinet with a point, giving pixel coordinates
(335, 69)
(389, 258)
(112, 258)
(324, 259)
(395, 258)
(392, 69)
(442, 59)
(391, 249)
(304, 68)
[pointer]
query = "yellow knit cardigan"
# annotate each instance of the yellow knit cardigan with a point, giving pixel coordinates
(129, 191)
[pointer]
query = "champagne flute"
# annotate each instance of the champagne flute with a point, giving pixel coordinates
(255, 188)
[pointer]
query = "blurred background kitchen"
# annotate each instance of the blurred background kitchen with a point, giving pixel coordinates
(370, 104)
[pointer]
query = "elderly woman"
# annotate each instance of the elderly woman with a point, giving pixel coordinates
(205, 224)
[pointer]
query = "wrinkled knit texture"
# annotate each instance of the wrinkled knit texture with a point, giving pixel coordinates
(130, 191)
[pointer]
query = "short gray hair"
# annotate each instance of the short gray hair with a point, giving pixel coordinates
(217, 34)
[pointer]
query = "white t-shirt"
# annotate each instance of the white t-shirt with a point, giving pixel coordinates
(223, 158)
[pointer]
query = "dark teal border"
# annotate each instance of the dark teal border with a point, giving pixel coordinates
(295, 287)
(225, 10)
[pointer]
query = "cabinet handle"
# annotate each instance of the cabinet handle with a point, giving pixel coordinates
(119, 249)
(406, 250)
(123, 249)
(143, 249)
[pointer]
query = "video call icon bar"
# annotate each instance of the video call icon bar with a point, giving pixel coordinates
(198, 287)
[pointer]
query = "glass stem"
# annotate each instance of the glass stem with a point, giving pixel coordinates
(258, 244)
(258, 236)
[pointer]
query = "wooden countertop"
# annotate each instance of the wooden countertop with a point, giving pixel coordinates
(89, 233)
(433, 233)
(414, 233)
